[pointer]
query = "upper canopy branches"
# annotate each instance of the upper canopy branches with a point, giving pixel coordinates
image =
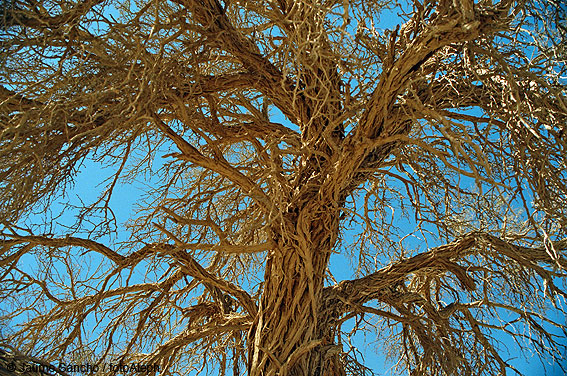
(286, 123)
(193, 62)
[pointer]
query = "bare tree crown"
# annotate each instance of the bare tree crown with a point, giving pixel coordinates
(268, 136)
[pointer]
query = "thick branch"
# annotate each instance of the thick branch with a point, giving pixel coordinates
(444, 258)
(218, 165)
(376, 122)
(214, 84)
(11, 240)
(270, 80)
(258, 129)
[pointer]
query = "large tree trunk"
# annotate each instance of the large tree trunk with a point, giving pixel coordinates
(289, 336)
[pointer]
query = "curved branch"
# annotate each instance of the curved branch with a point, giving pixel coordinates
(192, 267)
(445, 257)
(218, 165)
(188, 263)
(221, 325)
(270, 80)
(70, 241)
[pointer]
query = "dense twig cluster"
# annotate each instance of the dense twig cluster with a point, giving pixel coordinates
(289, 131)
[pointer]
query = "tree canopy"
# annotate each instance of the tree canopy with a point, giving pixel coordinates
(424, 141)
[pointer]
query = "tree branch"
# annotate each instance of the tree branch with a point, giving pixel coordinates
(220, 325)
(188, 264)
(192, 267)
(36, 20)
(218, 165)
(70, 241)
(376, 122)
(270, 80)
(214, 84)
(444, 258)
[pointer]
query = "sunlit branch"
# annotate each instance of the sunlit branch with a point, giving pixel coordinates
(218, 164)
(11, 240)
(221, 325)
(444, 258)
(271, 81)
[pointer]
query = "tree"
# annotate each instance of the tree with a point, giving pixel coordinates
(13, 363)
(432, 152)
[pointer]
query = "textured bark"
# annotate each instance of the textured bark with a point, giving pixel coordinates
(288, 336)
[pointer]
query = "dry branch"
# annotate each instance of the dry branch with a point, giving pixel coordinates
(289, 131)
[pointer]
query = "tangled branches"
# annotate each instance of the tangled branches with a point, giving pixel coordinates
(267, 137)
